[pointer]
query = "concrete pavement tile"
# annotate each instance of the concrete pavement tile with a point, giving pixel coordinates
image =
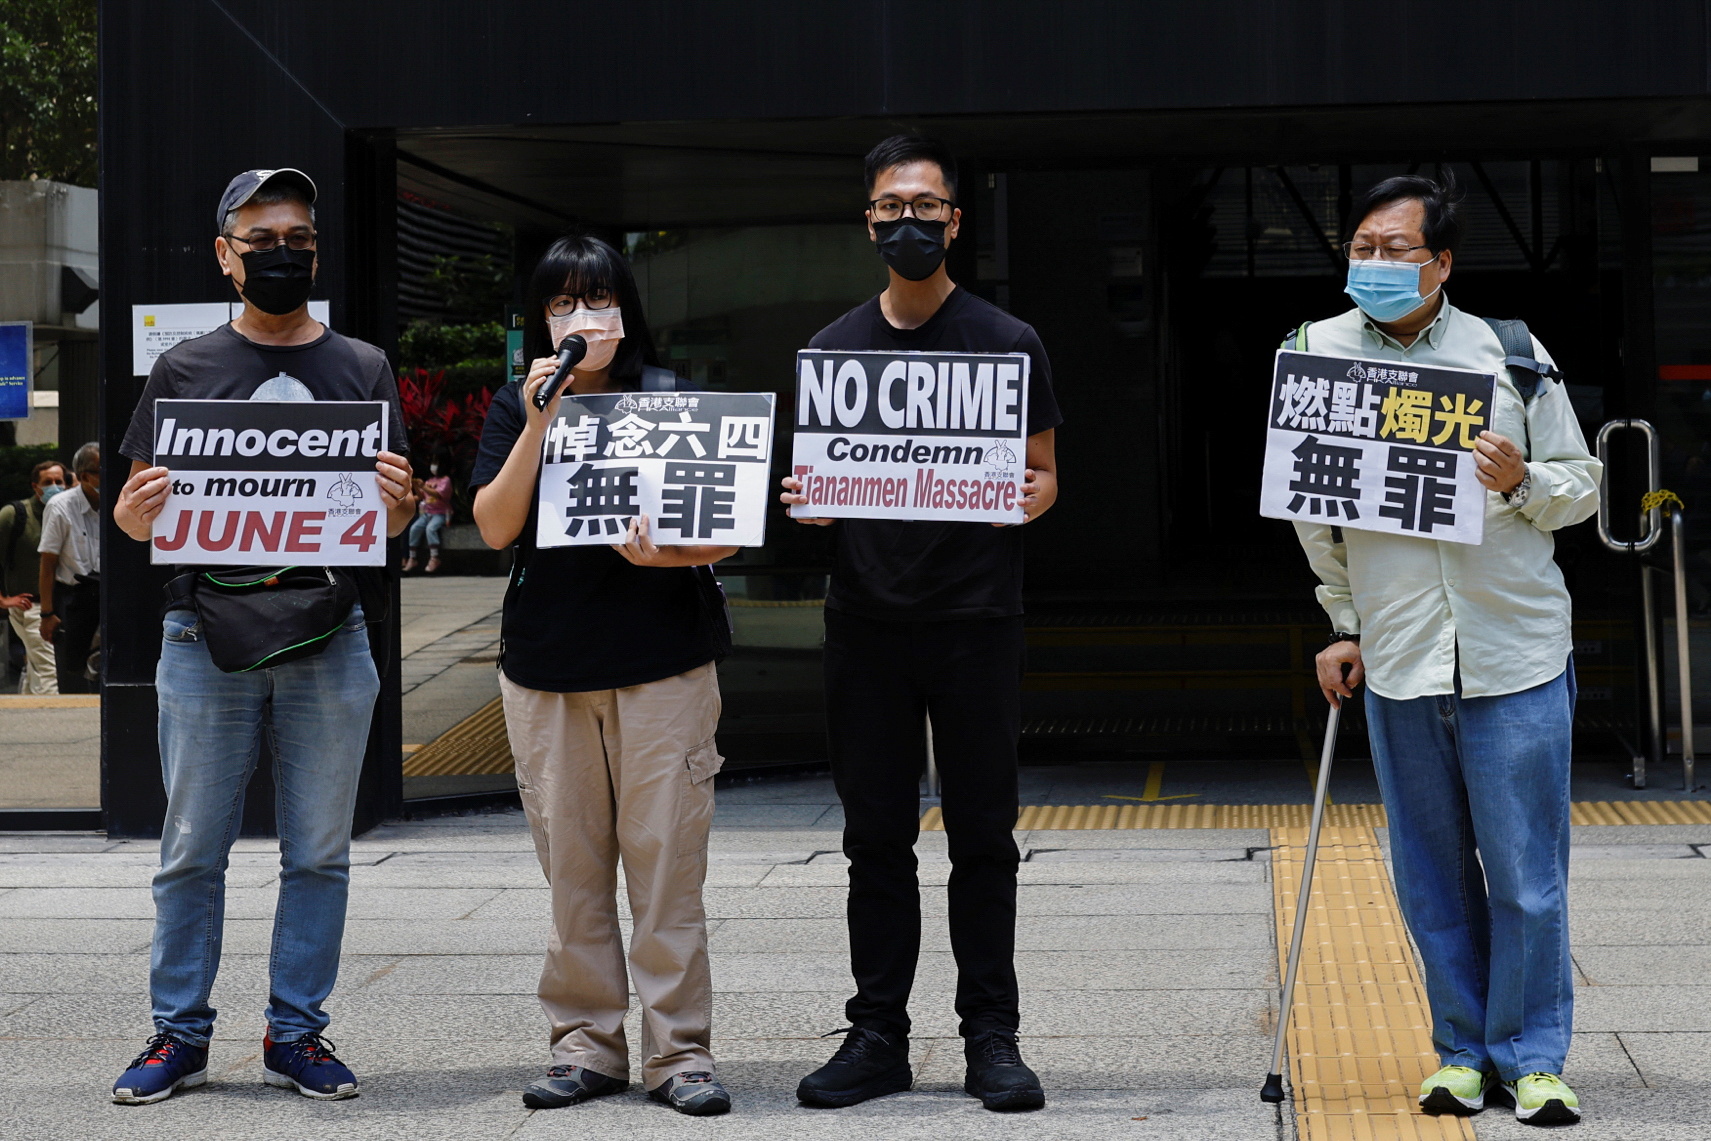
(770, 815)
(36, 842)
(241, 903)
(432, 937)
(1041, 933)
(1146, 854)
(108, 936)
(1638, 927)
(1183, 1061)
(1638, 1008)
(937, 874)
(1145, 899)
(85, 1015)
(457, 974)
(1625, 966)
(1670, 1061)
(1640, 893)
(94, 874)
(1597, 1061)
(1616, 1115)
(1146, 838)
(1615, 868)
(1603, 834)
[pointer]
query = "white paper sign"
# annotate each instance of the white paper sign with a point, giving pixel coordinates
(266, 483)
(911, 435)
(1376, 445)
(156, 328)
(696, 464)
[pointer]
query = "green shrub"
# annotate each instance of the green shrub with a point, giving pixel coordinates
(15, 465)
(430, 345)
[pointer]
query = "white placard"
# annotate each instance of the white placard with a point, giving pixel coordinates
(156, 328)
(696, 464)
(1376, 445)
(270, 483)
(911, 435)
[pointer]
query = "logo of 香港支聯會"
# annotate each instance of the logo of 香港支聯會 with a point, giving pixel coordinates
(1000, 455)
(344, 493)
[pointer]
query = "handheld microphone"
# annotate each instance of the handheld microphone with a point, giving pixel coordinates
(570, 351)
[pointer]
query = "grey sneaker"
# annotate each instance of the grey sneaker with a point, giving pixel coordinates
(696, 1094)
(570, 1085)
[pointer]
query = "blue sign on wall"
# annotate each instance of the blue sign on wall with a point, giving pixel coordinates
(15, 370)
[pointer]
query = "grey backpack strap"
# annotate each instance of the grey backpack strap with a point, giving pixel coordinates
(1297, 339)
(1517, 343)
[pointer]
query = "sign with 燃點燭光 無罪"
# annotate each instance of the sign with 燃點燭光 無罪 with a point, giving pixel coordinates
(1376, 445)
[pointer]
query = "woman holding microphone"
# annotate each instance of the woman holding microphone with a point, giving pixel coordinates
(611, 702)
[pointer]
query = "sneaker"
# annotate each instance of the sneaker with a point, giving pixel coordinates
(433, 566)
(409, 565)
(165, 1066)
(997, 1074)
(696, 1094)
(1543, 1099)
(308, 1066)
(1455, 1089)
(570, 1085)
(868, 1064)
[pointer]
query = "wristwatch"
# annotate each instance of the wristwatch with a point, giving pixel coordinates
(1343, 636)
(1518, 496)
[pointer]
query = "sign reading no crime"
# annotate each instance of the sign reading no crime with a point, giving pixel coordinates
(696, 464)
(911, 435)
(270, 482)
(1376, 446)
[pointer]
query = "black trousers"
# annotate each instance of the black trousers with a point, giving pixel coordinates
(882, 680)
(78, 606)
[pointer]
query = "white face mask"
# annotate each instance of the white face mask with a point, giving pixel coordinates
(433, 469)
(601, 328)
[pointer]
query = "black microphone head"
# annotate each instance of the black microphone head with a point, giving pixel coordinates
(573, 347)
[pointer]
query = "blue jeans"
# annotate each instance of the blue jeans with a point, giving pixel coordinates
(1477, 791)
(431, 526)
(210, 736)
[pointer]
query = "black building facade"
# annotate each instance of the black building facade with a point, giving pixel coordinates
(1158, 188)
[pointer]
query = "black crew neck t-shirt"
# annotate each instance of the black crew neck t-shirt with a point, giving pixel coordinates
(586, 618)
(933, 570)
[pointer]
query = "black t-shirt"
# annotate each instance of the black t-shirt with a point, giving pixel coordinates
(934, 570)
(586, 618)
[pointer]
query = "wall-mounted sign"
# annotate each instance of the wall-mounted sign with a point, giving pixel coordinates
(156, 328)
(17, 370)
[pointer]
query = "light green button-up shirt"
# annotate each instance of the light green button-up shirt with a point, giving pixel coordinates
(1422, 607)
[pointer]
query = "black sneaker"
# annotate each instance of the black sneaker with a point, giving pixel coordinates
(696, 1094)
(997, 1075)
(569, 1085)
(868, 1064)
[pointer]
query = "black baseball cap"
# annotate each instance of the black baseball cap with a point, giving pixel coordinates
(242, 188)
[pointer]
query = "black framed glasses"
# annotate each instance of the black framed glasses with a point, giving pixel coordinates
(564, 304)
(925, 208)
(1363, 251)
(261, 243)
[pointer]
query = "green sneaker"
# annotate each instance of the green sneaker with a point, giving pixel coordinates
(1455, 1089)
(1543, 1099)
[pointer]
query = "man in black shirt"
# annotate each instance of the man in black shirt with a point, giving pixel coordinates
(924, 620)
(316, 710)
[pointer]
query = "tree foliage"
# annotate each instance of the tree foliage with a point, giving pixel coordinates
(47, 90)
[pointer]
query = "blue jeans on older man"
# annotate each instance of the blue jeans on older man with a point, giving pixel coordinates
(1477, 792)
(211, 726)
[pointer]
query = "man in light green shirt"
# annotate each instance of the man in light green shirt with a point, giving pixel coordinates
(1465, 649)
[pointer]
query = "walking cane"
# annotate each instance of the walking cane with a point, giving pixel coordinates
(1272, 1091)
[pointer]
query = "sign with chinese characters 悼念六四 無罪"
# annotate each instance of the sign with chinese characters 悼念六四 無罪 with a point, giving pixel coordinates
(1376, 446)
(270, 483)
(695, 463)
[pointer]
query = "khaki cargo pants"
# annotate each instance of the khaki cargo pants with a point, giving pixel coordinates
(610, 774)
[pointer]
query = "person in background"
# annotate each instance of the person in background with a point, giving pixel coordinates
(69, 579)
(1465, 650)
(435, 496)
(925, 619)
(20, 576)
(607, 669)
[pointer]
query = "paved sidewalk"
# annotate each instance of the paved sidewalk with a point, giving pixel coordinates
(1147, 962)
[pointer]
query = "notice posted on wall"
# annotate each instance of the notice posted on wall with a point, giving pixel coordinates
(911, 435)
(696, 464)
(156, 328)
(263, 482)
(1376, 446)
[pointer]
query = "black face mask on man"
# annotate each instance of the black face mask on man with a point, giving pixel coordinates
(911, 247)
(278, 281)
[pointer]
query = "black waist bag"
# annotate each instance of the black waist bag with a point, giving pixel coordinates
(255, 617)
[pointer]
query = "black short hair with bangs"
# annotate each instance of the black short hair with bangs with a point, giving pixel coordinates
(577, 263)
(1441, 198)
(901, 150)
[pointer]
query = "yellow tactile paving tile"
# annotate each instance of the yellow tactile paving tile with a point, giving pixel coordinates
(475, 745)
(1360, 1039)
(1097, 817)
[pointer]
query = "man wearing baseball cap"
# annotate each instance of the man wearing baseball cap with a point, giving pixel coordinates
(211, 722)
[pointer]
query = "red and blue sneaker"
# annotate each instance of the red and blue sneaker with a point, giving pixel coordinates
(308, 1066)
(165, 1066)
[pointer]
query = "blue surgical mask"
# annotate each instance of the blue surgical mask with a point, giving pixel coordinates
(49, 492)
(1386, 290)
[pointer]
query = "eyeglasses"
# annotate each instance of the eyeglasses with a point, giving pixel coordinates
(261, 243)
(564, 304)
(925, 208)
(1361, 251)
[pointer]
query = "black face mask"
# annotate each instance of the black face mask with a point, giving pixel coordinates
(911, 247)
(278, 281)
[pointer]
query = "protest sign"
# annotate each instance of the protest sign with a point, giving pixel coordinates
(911, 435)
(17, 369)
(1376, 446)
(696, 464)
(156, 328)
(264, 482)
